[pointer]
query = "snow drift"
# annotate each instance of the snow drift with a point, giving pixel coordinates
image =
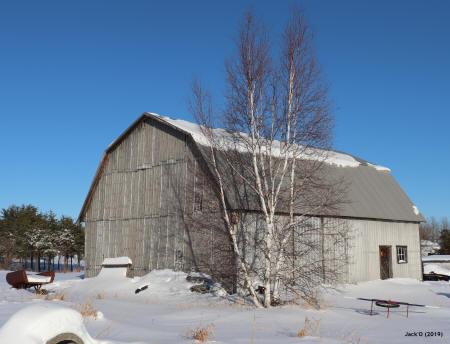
(40, 323)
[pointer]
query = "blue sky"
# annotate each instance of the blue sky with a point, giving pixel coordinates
(74, 75)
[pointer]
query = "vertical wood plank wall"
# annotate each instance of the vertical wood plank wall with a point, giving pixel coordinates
(142, 207)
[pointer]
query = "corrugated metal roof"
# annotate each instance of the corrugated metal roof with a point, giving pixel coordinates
(374, 194)
(366, 193)
(372, 191)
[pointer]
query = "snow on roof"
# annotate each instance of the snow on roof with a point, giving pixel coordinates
(434, 268)
(379, 167)
(117, 261)
(330, 157)
(33, 278)
(437, 258)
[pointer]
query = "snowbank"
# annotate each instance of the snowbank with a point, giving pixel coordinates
(40, 323)
(434, 268)
(437, 258)
(111, 282)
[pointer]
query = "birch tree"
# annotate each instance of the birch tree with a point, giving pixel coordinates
(276, 140)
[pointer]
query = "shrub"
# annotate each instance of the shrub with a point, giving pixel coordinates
(202, 334)
(87, 310)
(310, 328)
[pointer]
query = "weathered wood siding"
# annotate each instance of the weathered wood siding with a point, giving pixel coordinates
(318, 247)
(143, 205)
(368, 235)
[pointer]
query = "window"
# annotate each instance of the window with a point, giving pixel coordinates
(198, 201)
(402, 254)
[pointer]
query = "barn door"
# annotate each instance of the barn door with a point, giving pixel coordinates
(385, 262)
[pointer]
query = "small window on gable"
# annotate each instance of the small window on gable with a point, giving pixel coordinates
(402, 254)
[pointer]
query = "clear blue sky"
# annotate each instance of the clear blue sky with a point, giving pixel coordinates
(75, 74)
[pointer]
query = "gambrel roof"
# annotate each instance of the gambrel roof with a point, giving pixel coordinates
(372, 191)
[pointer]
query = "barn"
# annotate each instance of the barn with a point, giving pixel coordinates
(153, 199)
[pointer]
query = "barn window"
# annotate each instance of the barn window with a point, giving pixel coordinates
(402, 254)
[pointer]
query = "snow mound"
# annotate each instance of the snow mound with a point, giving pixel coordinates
(112, 283)
(163, 282)
(437, 258)
(40, 323)
(434, 268)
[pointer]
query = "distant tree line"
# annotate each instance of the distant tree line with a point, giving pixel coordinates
(432, 228)
(31, 236)
(437, 231)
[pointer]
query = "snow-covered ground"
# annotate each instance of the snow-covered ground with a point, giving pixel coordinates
(167, 312)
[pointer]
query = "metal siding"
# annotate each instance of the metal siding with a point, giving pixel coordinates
(368, 235)
(365, 237)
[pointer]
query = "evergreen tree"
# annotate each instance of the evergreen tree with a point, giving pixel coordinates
(16, 223)
(67, 239)
(30, 235)
(445, 242)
